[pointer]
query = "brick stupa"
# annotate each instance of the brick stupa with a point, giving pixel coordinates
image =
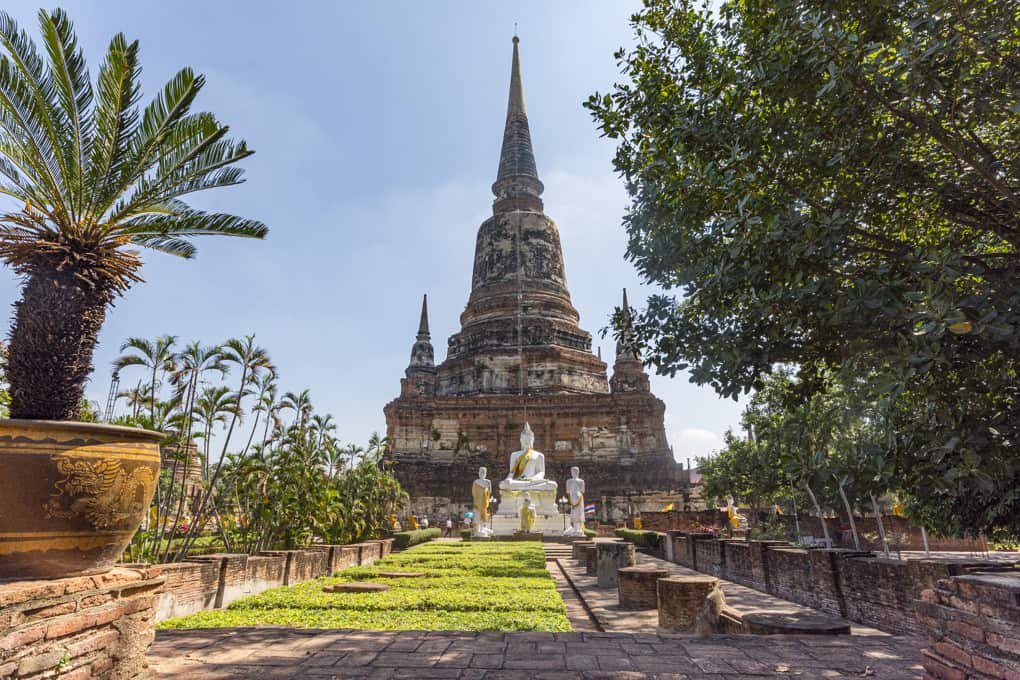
(469, 410)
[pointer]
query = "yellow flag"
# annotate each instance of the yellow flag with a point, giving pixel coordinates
(668, 508)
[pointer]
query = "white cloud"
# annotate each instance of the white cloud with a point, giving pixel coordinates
(692, 442)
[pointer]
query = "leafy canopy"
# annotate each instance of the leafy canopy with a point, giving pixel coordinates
(836, 186)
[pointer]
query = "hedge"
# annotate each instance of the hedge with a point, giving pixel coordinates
(405, 539)
(642, 537)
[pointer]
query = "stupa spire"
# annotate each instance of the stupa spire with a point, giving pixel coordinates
(624, 348)
(422, 354)
(423, 325)
(517, 186)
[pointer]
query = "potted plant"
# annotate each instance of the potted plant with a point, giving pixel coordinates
(88, 176)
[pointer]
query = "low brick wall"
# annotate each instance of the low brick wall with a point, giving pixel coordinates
(264, 572)
(190, 587)
(973, 624)
(213, 581)
(856, 585)
(80, 627)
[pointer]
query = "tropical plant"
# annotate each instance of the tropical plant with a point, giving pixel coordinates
(94, 175)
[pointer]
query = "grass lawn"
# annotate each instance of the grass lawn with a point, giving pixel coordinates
(467, 586)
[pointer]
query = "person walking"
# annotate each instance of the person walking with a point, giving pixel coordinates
(449, 527)
(424, 521)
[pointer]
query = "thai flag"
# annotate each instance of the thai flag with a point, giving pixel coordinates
(589, 509)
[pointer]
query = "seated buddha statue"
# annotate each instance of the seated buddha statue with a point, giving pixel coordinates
(527, 467)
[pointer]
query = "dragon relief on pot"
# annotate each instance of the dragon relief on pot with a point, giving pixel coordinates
(101, 491)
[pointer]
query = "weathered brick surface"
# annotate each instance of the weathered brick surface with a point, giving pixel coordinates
(637, 587)
(190, 587)
(81, 627)
(973, 625)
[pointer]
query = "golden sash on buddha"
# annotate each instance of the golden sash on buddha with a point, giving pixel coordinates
(522, 463)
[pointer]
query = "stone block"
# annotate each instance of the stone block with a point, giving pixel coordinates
(638, 588)
(689, 604)
(610, 557)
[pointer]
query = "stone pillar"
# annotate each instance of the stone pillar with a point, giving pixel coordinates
(689, 604)
(610, 557)
(587, 559)
(83, 626)
(577, 549)
(637, 587)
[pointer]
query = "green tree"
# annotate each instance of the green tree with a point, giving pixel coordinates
(836, 186)
(94, 175)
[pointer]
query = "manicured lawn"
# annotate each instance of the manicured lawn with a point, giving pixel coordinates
(467, 586)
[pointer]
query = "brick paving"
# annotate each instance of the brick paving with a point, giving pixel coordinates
(270, 653)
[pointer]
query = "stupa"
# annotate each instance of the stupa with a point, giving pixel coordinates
(520, 356)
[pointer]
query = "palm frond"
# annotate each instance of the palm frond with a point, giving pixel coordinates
(33, 90)
(116, 119)
(70, 78)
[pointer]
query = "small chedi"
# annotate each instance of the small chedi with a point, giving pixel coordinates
(520, 346)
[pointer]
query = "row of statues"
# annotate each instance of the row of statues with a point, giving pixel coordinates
(527, 476)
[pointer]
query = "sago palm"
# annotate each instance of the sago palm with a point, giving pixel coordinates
(92, 175)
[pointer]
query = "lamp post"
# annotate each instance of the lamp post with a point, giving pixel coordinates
(564, 507)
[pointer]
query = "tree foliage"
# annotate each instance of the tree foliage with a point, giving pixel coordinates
(279, 479)
(91, 176)
(836, 186)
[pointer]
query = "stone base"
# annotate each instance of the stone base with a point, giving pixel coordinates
(83, 626)
(508, 524)
(637, 586)
(689, 604)
(544, 502)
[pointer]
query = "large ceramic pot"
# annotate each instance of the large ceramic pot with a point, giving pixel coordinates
(71, 495)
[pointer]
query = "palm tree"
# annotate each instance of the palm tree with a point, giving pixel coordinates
(213, 407)
(301, 404)
(96, 175)
(322, 426)
(156, 355)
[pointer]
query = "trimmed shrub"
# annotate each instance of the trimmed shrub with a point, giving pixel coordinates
(405, 539)
(642, 537)
(589, 533)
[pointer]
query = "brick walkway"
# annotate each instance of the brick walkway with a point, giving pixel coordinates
(271, 653)
(604, 602)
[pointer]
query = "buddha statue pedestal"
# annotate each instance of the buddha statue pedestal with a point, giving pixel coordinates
(527, 478)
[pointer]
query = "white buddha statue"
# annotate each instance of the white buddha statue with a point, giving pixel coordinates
(527, 467)
(575, 495)
(481, 494)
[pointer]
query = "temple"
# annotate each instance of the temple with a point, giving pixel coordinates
(519, 356)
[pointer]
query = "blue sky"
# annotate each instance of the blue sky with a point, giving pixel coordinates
(377, 129)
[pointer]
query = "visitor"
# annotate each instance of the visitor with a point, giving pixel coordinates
(449, 527)
(467, 522)
(424, 521)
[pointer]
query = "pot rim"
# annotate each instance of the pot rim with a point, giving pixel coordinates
(134, 433)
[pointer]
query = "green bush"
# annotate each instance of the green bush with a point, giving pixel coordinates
(590, 533)
(405, 539)
(642, 537)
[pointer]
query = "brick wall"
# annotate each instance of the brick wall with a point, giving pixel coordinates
(79, 627)
(858, 586)
(710, 557)
(973, 625)
(190, 587)
(212, 581)
(264, 572)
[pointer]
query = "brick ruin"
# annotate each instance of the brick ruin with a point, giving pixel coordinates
(519, 356)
